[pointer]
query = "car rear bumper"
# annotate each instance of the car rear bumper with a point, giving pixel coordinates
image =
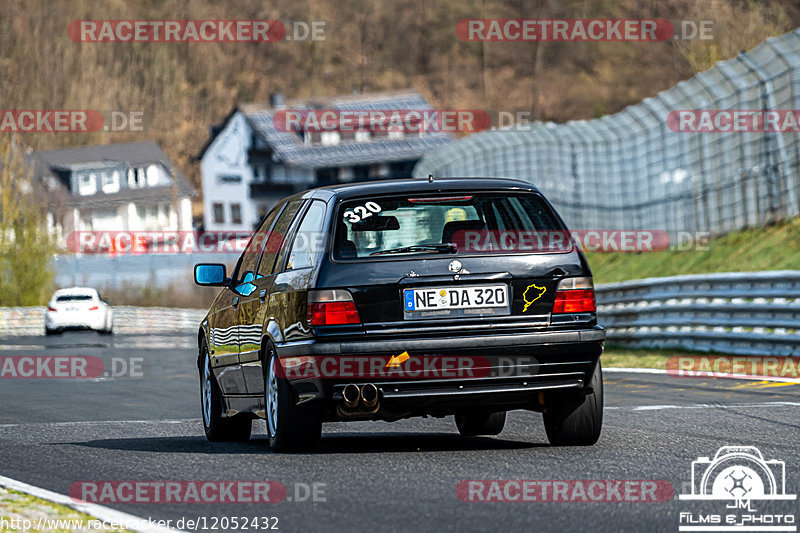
(441, 375)
(87, 320)
(595, 334)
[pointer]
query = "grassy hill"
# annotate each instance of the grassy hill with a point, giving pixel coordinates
(773, 248)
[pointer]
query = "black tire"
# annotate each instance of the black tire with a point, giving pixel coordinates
(107, 331)
(473, 424)
(289, 427)
(217, 427)
(48, 331)
(576, 418)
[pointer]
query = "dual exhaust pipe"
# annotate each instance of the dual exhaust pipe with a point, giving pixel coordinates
(366, 396)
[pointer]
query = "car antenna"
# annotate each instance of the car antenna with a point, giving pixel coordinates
(430, 178)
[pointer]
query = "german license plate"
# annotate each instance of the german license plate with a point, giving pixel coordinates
(431, 302)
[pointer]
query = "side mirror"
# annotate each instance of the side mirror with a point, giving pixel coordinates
(210, 275)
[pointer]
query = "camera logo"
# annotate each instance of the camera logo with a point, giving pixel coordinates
(738, 473)
(738, 476)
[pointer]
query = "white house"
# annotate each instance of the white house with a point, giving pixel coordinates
(114, 187)
(248, 164)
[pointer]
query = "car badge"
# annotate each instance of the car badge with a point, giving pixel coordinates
(455, 266)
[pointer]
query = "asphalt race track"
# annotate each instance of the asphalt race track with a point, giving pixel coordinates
(144, 425)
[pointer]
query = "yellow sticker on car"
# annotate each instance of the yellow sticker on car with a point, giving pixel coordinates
(531, 294)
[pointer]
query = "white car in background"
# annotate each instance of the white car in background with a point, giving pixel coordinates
(77, 308)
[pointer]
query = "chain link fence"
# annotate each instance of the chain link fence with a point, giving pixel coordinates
(631, 171)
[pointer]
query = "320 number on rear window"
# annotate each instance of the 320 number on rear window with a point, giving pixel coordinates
(360, 212)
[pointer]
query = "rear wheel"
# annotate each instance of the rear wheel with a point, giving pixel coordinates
(474, 424)
(576, 418)
(289, 427)
(217, 427)
(48, 331)
(108, 329)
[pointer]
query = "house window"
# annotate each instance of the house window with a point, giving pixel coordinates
(281, 175)
(361, 173)
(152, 176)
(236, 213)
(110, 182)
(87, 184)
(329, 138)
(219, 213)
(164, 211)
(136, 178)
(346, 174)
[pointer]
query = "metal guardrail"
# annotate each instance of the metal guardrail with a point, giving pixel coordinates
(151, 320)
(743, 313)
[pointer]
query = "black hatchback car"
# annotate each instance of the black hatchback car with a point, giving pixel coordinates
(392, 299)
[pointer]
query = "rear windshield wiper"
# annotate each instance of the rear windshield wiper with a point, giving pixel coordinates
(444, 248)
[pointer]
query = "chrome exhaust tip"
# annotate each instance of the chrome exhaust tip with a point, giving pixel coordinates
(369, 395)
(351, 395)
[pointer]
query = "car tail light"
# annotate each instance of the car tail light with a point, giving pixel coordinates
(51, 309)
(331, 308)
(93, 308)
(575, 295)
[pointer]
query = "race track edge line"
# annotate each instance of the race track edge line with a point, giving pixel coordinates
(128, 521)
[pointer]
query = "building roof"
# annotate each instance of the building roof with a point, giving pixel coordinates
(288, 148)
(110, 155)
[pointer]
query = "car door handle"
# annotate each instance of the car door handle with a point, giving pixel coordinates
(262, 295)
(235, 302)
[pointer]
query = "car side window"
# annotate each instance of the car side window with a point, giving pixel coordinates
(247, 263)
(308, 241)
(276, 238)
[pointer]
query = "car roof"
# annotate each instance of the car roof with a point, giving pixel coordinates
(76, 290)
(417, 185)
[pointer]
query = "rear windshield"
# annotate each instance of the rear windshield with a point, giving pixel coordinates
(74, 298)
(445, 224)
